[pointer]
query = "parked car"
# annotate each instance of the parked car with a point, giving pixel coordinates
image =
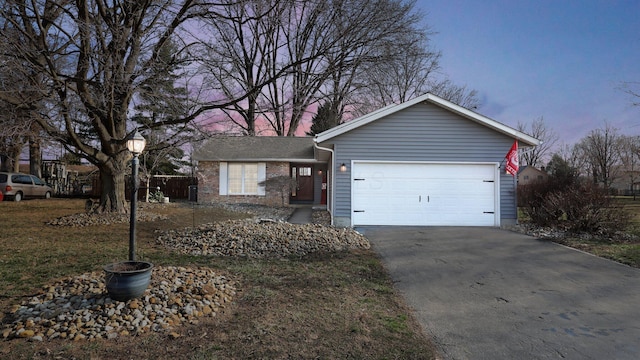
(15, 186)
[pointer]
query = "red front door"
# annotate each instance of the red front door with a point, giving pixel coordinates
(302, 176)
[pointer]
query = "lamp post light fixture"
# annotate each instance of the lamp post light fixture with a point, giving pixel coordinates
(135, 144)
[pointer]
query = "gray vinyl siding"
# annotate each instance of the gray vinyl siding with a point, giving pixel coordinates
(423, 132)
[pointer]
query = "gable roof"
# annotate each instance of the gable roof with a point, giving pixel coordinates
(531, 169)
(433, 99)
(256, 148)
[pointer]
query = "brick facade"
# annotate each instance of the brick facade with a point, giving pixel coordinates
(209, 186)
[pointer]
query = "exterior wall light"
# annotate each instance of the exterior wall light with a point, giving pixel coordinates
(343, 167)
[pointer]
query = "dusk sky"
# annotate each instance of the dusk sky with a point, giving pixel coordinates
(559, 59)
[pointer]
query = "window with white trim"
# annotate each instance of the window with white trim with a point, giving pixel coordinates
(243, 178)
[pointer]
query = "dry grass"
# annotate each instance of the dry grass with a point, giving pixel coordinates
(341, 306)
(625, 250)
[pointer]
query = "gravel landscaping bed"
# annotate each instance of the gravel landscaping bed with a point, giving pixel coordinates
(537, 231)
(248, 238)
(88, 219)
(558, 235)
(78, 307)
(143, 213)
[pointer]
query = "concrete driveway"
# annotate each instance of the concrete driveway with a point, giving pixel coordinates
(486, 293)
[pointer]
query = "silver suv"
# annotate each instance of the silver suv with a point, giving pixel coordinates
(21, 186)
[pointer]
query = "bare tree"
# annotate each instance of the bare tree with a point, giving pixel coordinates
(601, 151)
(573, 156)
(457, 94)
(630, 159)
(539, 130)
(91, 59)
(403, 69)
(244, 42)
(633, 89)
(407, 75)
(409, 68)
(343, 37)
(304, 30)
(18, 127)
(13, 137)
(337, 51)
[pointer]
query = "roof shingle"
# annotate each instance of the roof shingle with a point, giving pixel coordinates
(256, 148)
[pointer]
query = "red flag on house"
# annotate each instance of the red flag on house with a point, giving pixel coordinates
(512, 159)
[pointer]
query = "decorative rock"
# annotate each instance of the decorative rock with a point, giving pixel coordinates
(246, 238)
(81, 317)
(26, 333)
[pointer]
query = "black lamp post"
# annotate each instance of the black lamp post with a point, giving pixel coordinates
(135, 144)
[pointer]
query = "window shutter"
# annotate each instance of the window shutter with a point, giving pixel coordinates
(223, 178)
(262, 176)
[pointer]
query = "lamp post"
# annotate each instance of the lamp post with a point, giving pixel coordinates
(135, 144)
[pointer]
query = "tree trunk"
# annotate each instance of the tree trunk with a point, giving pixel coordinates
(112, 198)
(16, 162)
(35, 157)
(4, 163)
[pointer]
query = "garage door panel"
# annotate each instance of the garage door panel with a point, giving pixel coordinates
(423, 194)
(385, 200)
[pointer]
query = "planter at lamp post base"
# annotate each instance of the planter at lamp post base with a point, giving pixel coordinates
(128, 279)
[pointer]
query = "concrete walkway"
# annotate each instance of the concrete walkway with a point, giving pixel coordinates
(302, 215)
(485, 293)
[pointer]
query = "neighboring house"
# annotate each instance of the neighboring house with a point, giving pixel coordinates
(529, 174)
(626, 182)
(423, 162)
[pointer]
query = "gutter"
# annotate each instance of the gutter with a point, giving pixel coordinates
(333, 176)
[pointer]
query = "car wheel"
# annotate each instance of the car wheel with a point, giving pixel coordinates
(17, 197)
(47, 195)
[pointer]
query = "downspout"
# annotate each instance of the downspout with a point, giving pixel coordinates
(333, 176)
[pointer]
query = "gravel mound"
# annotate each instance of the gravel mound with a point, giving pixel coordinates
(79, 308)
(539, 232)
(559, 235)
(91, 219)
(243, 238)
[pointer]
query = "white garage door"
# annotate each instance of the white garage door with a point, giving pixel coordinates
(386, 193)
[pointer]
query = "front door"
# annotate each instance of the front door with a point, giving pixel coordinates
(302, 179)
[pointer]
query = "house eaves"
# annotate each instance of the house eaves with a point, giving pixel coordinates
(525, 139)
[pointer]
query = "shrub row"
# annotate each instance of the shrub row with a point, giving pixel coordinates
(574, 206)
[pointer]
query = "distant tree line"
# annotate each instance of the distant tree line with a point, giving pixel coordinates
(577, 195)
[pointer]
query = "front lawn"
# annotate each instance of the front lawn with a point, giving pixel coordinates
(319, 306)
